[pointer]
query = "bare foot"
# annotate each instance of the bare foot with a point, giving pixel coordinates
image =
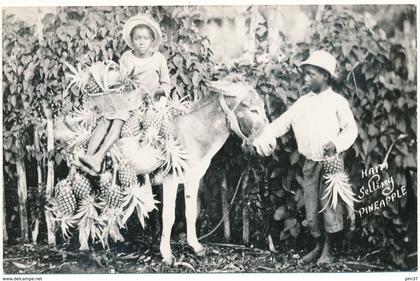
(314, 254)
(92, 162)
(324, 259)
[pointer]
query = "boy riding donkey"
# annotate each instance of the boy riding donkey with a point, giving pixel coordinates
(324, 127)
(148, 68)
(133, 129)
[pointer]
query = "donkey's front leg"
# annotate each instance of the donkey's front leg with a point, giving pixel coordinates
(191, 192)
(170, 186)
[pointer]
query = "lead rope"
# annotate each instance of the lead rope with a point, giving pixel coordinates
(232, 120)
(230, 207)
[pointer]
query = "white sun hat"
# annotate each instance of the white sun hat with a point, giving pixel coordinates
(321, 59)
(142, 20)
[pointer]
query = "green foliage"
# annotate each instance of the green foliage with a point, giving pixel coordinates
(372, 75)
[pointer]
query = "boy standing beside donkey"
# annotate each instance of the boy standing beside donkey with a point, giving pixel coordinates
(324, 126)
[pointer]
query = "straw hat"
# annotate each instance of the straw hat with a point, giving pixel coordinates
(322, 59)
(142, 20)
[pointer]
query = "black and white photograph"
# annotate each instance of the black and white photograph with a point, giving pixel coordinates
(189, 138)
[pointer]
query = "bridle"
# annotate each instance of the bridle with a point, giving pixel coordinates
(232, 120)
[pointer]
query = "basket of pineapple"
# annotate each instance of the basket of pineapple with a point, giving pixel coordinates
(110, 88)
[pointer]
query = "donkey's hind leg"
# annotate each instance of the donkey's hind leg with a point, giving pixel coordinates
(170, 186)
(191, 192)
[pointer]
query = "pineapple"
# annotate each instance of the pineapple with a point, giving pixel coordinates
(63, 206)
(333, 165)
(66, 199)
(167, 129)
(115, 198)
(158, 124)
(77, 77)
(105, 183)
(60, 185)
(152, 119)
(91, 87)
(127, 175)
(151, 125)
(131, 127)
(81, 186)
(337, 183)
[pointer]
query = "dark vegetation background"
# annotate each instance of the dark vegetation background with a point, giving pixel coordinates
(377, 74)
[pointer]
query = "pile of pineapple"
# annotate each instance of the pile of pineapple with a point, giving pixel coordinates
(99, 206)
(153, 124)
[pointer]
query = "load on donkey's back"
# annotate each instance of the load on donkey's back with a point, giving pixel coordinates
(122, 130)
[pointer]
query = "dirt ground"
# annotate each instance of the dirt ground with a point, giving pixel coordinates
(144, 257)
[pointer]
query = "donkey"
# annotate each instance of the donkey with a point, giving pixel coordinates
(202, 131)
(230, 106)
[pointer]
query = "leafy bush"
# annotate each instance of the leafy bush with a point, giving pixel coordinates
(372, 76)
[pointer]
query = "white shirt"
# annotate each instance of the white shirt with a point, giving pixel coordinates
(151, 72)
(317, 119)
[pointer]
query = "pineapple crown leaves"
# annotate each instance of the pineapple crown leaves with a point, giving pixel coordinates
(175, 158)
(135, 199)
(52, 206)
(89, 222)
(106, 74)
(85, 117)
(66, 224)
(181, 104)
(99, 70)
(88, 209)
(127, 79)
(338, 186)
(111, 227)
(82, 135)
(66, 221)
(90, 229)
(77, 77)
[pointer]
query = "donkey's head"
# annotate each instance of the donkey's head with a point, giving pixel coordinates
(244, 108)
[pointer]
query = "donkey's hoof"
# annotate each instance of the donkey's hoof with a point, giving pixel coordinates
(169, 260)
(201, 252)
